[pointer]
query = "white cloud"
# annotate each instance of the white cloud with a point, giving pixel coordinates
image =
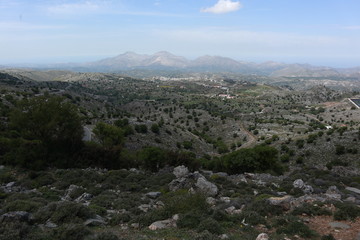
(223, 6)
(74, 8)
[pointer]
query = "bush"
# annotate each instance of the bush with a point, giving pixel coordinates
(294, 226)
(210, 225)
(71, 232)
(257, 159)
(152, 158)
(64, 213)
(311, 210)
(106, 236)
(346, 211)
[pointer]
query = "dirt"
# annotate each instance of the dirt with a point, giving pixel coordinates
(320, 224)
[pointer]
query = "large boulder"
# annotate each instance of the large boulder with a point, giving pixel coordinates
(168, 223)
(181, 171)
(206, 187)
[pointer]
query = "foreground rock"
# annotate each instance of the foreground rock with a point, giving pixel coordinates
(168, 223)
(192, 181)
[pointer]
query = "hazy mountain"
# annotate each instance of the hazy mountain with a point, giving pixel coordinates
(165, 61)
(305, 70)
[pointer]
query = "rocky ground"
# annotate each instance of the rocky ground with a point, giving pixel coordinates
(178, 204)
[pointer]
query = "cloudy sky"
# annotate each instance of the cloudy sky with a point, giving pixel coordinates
(321, 32)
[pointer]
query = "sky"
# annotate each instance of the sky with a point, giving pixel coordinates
(318, 32)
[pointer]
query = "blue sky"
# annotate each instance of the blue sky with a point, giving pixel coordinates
(320, 32)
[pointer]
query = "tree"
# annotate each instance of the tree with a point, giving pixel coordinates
(108, 135)
(152, 158)
(48, 130)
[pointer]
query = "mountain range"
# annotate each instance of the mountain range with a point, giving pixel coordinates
(165, 61)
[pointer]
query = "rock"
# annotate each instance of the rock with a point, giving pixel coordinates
(84, 198)
(206, 187)
(168, 223)
(284, 202)
(298, 183)
(2, 167)
(230, 210)
(307, 189)
(224, 236)
(50, 224)
(144, 207)
(350, 200)
(159, 204)
(225, 199)
(20, 216)
(10, 185)
(333, 193)
(153, 195)
(135, 225)
(339, 225)
(180, 183)
(97, 221)
(211, 201)
(181, 171)
(68, 192)
(262, 236)
(352, 189)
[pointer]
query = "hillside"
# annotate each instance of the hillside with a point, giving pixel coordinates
(210, 156)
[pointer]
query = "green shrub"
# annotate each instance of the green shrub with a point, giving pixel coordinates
(210, 225)
(311, 210)
(64, 213)
(328, 237)
(346, 211)
(293, 226)
(190, 219)
(71, 232)
(106, 236)
(23, 205)
(252, 218)
(258, 159)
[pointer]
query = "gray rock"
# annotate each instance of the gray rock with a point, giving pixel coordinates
(352, 189)
(333, 193)
(2, 167)
(181, 171)
(50, 224)
(69, 191)
(262, 236)
(224, 236)
(85, 197)
(307, 189)
(339, 225)
(97, 221)
(20, 216)
(153, 195)
(284, 202)
(350, 200)
(144, 207)
(206, 187)
(168, 223)
(225, 199)
(211, 201)
(230, 210)
(10, 185)
(298, 183)
(180, 183)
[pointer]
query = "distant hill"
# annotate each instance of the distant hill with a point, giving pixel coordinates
(165, 61)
